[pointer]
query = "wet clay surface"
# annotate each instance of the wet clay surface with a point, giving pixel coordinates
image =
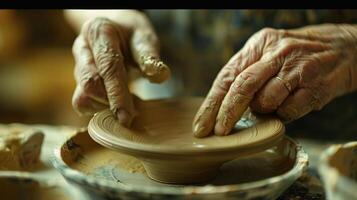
(161, 137)
(167, 124)
(83, 154)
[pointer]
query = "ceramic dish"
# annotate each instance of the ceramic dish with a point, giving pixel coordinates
(162, 139)
(108, 174)
(338, 168)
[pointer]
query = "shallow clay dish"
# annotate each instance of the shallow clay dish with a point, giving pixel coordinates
(338, 168)
(162, 139)
(107, 174)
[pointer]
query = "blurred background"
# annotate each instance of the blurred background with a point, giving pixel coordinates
(36, 62)
(36, 68)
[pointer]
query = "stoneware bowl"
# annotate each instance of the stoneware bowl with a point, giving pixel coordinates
(161, 137)
(103, 173)
(338, 169)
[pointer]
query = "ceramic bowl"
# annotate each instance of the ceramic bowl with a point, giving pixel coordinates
(338, 169)
(161, 137)
(103, 173)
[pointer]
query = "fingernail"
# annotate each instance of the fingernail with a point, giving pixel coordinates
(199, 130)
(124, 117)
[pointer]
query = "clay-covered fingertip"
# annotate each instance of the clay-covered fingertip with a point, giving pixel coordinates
(220, 130)
(155, 69)
(160, 76)
(124, 118)
(199, 131)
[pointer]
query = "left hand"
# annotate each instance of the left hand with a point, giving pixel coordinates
(290, 72)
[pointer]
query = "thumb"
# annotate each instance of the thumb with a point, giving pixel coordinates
(145, 50)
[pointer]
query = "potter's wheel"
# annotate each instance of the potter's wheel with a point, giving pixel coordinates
(105, 173)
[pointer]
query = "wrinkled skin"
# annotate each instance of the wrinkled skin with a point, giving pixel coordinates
(103, 52)
(287, 72)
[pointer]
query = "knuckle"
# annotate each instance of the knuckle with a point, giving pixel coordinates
(94, 28)
(310, 69)
(245, 85)
(90, 83)
(288, 112)
(79, 102)
(225, 79)
(267, 31)
(261, 37)
(309, 72)
(264, 104)
(99, 22)
(287, 46)
(320, 94)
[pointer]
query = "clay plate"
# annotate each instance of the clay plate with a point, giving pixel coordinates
(162, 139)
(107, 174)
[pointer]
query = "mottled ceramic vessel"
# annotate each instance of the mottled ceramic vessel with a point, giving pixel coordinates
(111, 182)
(338, 169)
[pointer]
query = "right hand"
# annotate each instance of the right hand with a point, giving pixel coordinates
(103, 52)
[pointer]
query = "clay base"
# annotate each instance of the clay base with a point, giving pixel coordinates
(188, 173)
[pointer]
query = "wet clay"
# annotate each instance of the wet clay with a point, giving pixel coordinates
(20, 148)
(166, 125)
(161, 137)
(86, 156)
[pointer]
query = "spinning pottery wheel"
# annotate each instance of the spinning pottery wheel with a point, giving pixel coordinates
(161, 138)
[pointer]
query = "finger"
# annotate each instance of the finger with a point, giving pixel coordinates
(274, 92)
(205, 118)
(105, 42)
(206, 115)
(85, 105)
(312, 32)
(297, 105)
(145, 50)
(86, 74)
(241, 93)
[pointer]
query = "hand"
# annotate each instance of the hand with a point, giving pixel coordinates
(103, 52)
(290, 72)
